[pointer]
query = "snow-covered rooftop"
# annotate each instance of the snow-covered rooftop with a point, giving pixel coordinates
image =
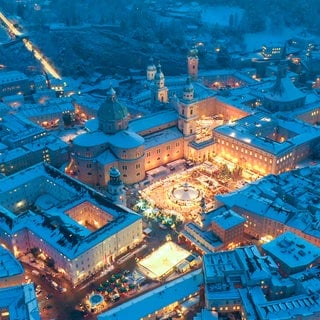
(156, 299)
(20, 302)
(292, 250)
(290, 198)
(11, 76)
(158, 119)
(255, 130)
(9, 265)
(162, 137)
(228, 220)
(53, 225)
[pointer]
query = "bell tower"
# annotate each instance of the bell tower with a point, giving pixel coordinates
(193, 62)
(151, 70)
(188, 111)
(159, 92)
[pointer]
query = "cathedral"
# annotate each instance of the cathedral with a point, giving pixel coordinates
(197, 122)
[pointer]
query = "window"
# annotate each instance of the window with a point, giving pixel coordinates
(124, 168)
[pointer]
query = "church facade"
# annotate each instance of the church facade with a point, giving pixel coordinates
(248, 125)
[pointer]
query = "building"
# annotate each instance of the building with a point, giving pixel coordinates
(248, 285)
(229, 227)
(203, 241)
(115, 188)
(272, 50)
(24, 143)
(279, 203)
(231, 116)
(226, 273)
(158, 90)
(271, 143)
(12, 272)
(266, 144)
(50, 114)
(71, 225)
(19, 302)
(193, 63)
(14, 82)
(112, 145)
(18, 298)
(164, 300)
(151, 70)
(293, 253)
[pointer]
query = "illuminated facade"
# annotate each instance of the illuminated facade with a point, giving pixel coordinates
(76, 228)
(265, 144)
(279, 203)
(229, 227)
(232, 117)
(272, 51)
(14, 82)
(271, 143)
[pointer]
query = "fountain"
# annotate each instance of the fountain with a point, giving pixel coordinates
(185, 193)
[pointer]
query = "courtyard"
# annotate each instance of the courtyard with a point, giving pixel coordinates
(186, 194)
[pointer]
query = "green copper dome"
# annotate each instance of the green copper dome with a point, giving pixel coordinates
(111, 109)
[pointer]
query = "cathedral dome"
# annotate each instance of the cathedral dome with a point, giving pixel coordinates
(112, 115)
(111, 109)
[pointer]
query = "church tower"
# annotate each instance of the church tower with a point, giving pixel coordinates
(193, 62)
(159, 92)
(151, 70)
(188, 90)
(188, 111)
(115, 188)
